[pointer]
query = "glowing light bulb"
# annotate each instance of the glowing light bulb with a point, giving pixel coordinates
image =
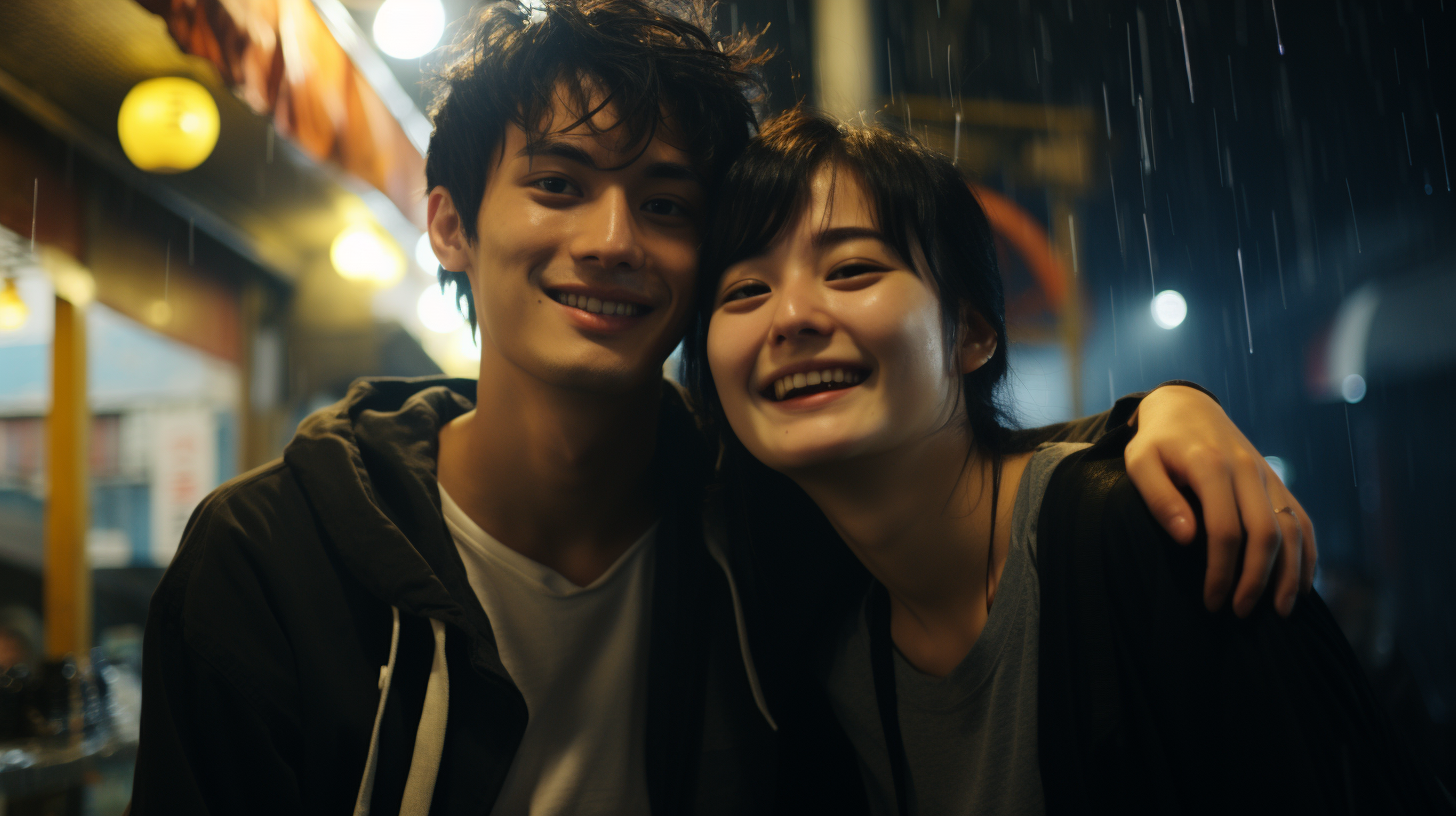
(406, 29)
(437, 309)
(167, 125)
(13, 311)
(365, 253)
(1169, 309)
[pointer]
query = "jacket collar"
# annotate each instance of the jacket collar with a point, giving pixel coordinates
(368, 466)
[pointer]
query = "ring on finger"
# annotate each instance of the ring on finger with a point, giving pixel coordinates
(1285, 509)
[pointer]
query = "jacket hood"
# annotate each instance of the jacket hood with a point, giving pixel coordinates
(367, 464)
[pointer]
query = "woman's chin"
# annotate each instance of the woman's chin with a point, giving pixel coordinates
(807, 456)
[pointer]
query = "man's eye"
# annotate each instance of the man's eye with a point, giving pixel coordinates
(747, 290)
(555, 185)
(665, 207)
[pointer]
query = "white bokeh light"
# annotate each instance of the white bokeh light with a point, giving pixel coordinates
(437, 309)
(1169, 309)
(1353, 388)
(1281, 469)
(406, 29)
(425, 256)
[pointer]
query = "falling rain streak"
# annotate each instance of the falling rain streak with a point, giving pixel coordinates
(1187, 64)
(1279, 259)
(1353, 219)
(1277, 36)
(1248, 325)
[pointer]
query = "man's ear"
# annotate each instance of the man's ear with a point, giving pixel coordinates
(447, 236)
(977, 341)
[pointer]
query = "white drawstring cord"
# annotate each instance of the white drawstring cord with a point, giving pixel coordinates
(386, 674)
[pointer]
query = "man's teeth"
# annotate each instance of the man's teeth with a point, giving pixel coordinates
(784, 385)
(598, 306)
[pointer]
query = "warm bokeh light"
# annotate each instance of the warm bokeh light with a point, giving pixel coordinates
(1169, 309)
(167, 124)
(437, 309)
(367, 254)
(425, 256)
(13, 310)
(406, 29)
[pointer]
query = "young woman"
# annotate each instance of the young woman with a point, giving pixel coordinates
(1027, 638)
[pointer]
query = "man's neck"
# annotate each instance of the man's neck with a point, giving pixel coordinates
(559, 476)
(919, 519)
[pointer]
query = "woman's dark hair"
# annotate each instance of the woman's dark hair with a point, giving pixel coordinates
(650, 61)
(917, 197)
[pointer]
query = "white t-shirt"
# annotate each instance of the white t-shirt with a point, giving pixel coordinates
(579, 656)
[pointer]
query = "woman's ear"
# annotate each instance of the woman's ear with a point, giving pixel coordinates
(447, 237)
(977, 341)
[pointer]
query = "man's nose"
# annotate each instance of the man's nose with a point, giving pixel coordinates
(608, 234)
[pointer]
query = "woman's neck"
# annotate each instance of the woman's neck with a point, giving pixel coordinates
(919, 519)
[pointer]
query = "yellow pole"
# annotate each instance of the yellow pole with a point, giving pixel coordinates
(67, 580)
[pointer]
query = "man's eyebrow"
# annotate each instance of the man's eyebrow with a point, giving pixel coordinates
(559, 149)
(669, 170)
(839, 235)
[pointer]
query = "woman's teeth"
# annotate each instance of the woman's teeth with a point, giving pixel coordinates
(818, 380)
(598, 306)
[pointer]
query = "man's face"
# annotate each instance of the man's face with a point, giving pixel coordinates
(586, 253)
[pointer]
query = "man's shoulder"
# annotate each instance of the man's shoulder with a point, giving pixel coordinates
(246, 525)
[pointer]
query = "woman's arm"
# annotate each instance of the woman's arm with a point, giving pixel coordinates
(1185, 441)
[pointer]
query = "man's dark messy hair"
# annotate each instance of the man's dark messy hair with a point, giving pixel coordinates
(649, 60)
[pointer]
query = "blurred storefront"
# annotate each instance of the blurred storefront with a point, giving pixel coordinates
(162, 328)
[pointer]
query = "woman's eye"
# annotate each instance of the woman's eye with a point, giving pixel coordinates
(665, 207)
(853, 270)
(555, 185)
(746, 291)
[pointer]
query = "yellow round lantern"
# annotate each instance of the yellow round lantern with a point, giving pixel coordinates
(367, 254)
(167, 124)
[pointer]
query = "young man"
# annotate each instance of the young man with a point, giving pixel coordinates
(498, 597)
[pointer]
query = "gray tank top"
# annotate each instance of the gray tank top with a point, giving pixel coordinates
(970, 737)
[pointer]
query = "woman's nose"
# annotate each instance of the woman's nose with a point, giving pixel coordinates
(801, 314)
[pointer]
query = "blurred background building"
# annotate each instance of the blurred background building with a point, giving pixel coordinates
(1252, 196)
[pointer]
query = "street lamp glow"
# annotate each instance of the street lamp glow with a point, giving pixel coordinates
(1169, 309)
(406, 29)
(437, 309)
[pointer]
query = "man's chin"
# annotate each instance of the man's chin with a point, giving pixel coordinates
(605, 377)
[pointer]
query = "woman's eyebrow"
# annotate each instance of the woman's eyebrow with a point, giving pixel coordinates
(839, 235)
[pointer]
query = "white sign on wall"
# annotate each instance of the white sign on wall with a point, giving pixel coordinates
(184, 471)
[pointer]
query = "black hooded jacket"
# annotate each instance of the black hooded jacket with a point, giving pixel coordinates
(267, 635)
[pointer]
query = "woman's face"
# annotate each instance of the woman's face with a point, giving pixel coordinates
(829, 346)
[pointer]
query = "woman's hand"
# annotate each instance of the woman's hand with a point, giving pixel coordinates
(1184, 439)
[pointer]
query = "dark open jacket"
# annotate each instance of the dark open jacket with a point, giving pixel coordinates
(1149, 704)
(266, 637)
